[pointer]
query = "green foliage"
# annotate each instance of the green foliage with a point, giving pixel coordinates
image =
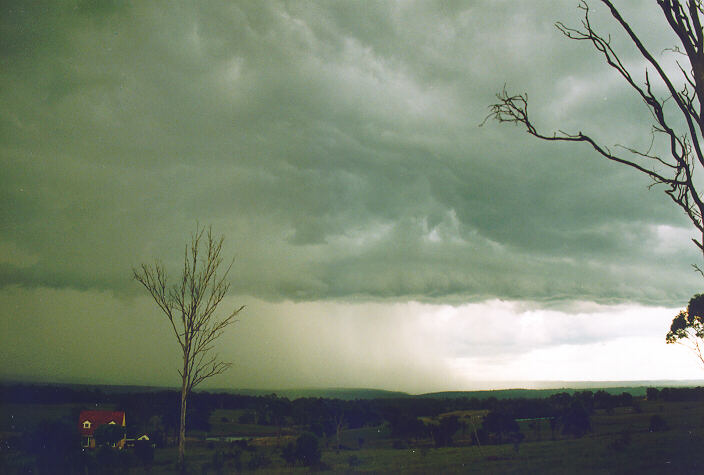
(575, 420)
(109, 434)
(651, 394)
(604, 400)
(689, 323)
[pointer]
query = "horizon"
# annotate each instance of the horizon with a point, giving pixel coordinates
(488, 387)
(381, 238)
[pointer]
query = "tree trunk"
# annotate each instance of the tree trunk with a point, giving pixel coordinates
(182, 425)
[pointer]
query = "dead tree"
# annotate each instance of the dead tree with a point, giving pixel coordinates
(190, 306)
(677, 117)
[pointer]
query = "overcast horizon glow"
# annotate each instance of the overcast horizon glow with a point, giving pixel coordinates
(381, 237)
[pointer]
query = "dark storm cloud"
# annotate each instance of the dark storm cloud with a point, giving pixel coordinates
(336, 146)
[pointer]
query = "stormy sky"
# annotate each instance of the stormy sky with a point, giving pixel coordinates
(381, 237)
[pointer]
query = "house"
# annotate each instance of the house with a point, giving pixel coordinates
(89, 421)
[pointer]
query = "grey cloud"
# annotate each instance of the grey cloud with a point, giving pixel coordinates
(337, 148)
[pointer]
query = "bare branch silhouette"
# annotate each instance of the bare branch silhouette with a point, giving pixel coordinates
(190, 306)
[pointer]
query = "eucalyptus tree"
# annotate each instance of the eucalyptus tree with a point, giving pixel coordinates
(687, 327)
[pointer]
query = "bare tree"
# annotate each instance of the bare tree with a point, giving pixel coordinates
(190, 306)
(677, 117)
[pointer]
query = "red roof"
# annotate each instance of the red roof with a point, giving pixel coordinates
(98, 418)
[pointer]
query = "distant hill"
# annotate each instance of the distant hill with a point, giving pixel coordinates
(635, 388)
(346, 394)
(529, 393)
(524, 389)
(329, 393)
(105, 388)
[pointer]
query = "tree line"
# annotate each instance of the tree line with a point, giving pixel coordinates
(157, 411)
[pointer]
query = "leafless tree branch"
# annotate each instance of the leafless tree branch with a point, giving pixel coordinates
(190, 306)
(676, 170)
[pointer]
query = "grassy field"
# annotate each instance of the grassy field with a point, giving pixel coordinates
(619, 442)
(224, 422)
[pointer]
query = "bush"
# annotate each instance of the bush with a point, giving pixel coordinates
(109, 434)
